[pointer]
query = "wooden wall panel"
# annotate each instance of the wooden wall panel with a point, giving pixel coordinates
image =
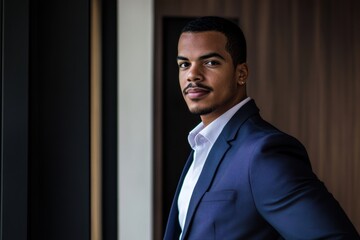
(304, 59)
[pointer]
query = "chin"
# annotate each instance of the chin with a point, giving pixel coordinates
(201, 111)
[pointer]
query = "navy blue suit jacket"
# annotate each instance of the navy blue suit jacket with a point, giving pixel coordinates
(257, 183)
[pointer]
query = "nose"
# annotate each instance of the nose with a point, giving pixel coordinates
(194, 73)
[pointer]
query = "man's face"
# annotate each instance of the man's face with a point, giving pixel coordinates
(208, 79)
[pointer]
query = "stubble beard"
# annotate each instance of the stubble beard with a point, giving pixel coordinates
(201, 111)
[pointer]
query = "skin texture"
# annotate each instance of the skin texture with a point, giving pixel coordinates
(209, 81)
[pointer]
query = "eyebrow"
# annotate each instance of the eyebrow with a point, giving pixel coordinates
(206, 56)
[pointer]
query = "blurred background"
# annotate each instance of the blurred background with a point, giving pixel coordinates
(94, 128)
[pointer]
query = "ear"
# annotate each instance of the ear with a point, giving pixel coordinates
(242, 73)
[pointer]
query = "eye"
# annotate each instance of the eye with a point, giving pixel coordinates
(183, 64)
(212, 63)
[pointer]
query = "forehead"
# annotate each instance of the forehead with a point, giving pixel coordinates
(198, 43)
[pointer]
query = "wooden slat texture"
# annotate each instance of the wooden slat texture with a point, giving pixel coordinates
(95, 120)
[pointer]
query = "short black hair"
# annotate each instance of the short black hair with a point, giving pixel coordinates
(236, 43)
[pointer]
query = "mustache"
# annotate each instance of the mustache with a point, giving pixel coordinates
(197, 85)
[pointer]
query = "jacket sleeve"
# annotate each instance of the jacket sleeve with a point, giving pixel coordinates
(290, 197)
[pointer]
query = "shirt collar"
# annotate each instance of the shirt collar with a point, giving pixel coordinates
(213, 130)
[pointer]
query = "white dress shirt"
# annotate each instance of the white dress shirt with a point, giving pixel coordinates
(201, 140)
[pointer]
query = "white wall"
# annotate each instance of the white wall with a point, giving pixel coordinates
(135, 55)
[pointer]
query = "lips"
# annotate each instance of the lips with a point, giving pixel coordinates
(195, 93)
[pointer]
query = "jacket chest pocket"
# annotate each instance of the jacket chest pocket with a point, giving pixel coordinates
(213, 214)
(216, 206)
(219, 196)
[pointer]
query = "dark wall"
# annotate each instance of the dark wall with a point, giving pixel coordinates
(109, 119)
(14, 119)
(45, 116)
(59, 156)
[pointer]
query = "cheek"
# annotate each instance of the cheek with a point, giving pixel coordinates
(182, 81)
(226, 89)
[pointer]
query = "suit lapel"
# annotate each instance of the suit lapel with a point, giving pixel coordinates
(217, 153)
(205, 179)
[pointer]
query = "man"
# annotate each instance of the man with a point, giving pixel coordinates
(244, 179)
